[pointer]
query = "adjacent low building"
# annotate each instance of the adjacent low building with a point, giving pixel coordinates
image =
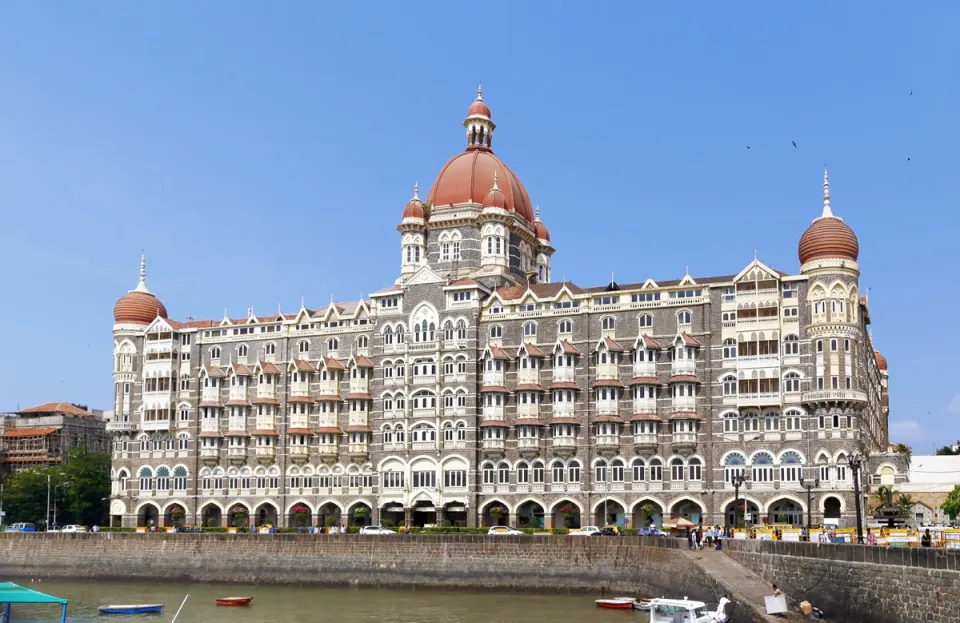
(476, 389)
(40, 436)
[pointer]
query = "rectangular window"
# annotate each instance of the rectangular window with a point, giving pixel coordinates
(606, 300)
(834, 382)
(645, 297)
(425, 479)
(455, 478)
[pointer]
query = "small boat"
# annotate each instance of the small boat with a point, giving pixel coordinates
(641, 604)
(619, 603)
(234, 601)
(686, 611)
(131, 609)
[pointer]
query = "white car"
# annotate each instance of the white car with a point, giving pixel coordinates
(376, 530)
(501, 530)
(586, 531)
(73, 528)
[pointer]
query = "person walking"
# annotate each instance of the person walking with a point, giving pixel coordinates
(926, 540)
(871, 537)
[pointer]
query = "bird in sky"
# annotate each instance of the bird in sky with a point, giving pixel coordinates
(794, 144)
(908, 158)
(911, 91)
(748, 147)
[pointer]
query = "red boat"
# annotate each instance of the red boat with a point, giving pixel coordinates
(615, 604)
(234, 601)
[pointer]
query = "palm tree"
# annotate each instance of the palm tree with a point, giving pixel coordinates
(647, 511)
(884, 495)
(905, 502)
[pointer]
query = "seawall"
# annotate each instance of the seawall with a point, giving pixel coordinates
(630, 566)
(858, 583)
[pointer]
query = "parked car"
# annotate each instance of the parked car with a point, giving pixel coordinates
(503, 530)
(376, 530)
(650, 532)
(608, 531)
(585, 531)
(21, 527)
(73, 528)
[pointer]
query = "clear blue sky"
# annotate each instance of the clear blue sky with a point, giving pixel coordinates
(260, 152)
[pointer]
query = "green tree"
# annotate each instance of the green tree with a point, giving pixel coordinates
(951, 505)
(89, 490)
(25, 496)
(905, 450)
(884, 495)
(947, 451)
(905, 502)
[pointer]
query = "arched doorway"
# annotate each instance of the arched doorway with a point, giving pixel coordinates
(495, 513)
(211, 516)
(300, 515)
(148, 516)
(424, 514)
(391, 515)
(785, 510)
(566, 514)
(610, 513)
(360, 514)
(687, 509)
(266, 515)
(175, 516)
(741, 511)
(328, 516)
(530, 515)
(647, 512)
(238, 516)
(455, 514)
(831, 508)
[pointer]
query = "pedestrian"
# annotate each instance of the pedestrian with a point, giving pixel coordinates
(926, 540)
(690, 539)
(96, 528)
(871, 537)
(699, 538)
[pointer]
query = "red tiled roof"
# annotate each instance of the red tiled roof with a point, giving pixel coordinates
(645, 417)
(533, 350)
(32, 431)
(466, 281)
(236, 433)
(304, 366)
(359, 396)
(211, 403)
(299, 431)
(568, 348)
(241, 370)
(494, 389)
(329, 398)
(611, 345)
(269, 368)
(526, 421)
(689, 340)
(565, 420)
(494, 424)
(329, 429)
(607, 383)
(684, 415)
(649, 342)
(499, 353)
(266, 401)
(359, 428)
(210, 434)
(301, 399)
(684, 378)
(540, 290)
(362, 362)
(265, 432)
(332, 364)
(527, 387)
(609, 418)
(238, 403)
(564, 385)
(56, 407)
(215, 372)
(644, 380)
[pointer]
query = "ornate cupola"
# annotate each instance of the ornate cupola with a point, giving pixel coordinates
(543, 235)
(479, 125)
(412, 241)
(413, 213)
(140, 305)
(828, 238)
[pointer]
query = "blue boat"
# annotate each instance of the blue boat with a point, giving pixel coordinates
(131, 609)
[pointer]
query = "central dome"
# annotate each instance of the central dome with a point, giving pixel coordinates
(468, 177)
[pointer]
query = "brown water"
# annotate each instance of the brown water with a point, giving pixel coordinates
(291, 604)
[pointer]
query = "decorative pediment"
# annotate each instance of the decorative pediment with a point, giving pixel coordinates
(159, 325)
(649, 284)
(756, 271)
(425, 275)
(687, 281)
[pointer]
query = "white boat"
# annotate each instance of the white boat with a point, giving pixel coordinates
(686, 611)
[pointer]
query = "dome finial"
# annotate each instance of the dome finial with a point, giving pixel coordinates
(142, 284)
(495, 187)
(416, 191)
(827, 212)
(536, 217)
(480, 92)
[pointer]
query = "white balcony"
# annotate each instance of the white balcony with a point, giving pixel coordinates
(299, 420)
(645, 368)
(210, 394)
(210, 425)
(120, 426)
(834, 395)
(645, 405)
(528, 443)
(493, 444)
(209, 453)
(564, 375)
(758, 296)
(357, 419)
(758, 361)
(421, 347)
(238, 392)
(155, 425)
(266, 452)
(493, 413)
(684, 403)
(608, 371)
(608, 441)
(528, 410)
(493, 379)
(684, 438)
(424, 379)
(454, 411)
(328, 449)
(235, 453)
(564, 443)
(684, 367)
(237, 424)
(526, 376)
(645, 439)
(268, 392)
(393, 381)
(265, 423)
(328, 420)
(329, 388)
(563, 409)
(298, 452)
(762, 398)
(429, 412)
(454, 445)
(359, 386)
(300, 388)
(423, 445)
(394, 446)
(608, 407)
(358, 449)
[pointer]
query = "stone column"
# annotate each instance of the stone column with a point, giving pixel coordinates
(548, 521)
(407, 516)
(471, 517)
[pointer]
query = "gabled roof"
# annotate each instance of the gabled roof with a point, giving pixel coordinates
(55, 407)
(649, 342)
(531, 349)
(332, 364)
(539, 290)
(214, 371)
(241, 370)
(268, 368)
(567, 348)
(303, 366)
(611, 345)
(362, 362)
(688, 340)
(498, 353)
(31, 431)
(758, 265)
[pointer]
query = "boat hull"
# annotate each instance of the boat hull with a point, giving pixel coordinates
(615, 604)
(132, 609)
(234, 601)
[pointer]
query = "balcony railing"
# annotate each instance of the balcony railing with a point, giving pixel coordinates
(645, 405)
(526, 376)
(267, 391)
(608, 407)
(563, 409)
(493, 444)
(608, 441)
(120, 426)
(645, 439)
(155, 424)
(359, 386)
(237, 424)
(266, 451)
(762, 398)
(827, 395)
(493, 379)
(425, 412)
(564, 442)
(528, 410)
(209, 452)
(684, 438)
(358, 449)
(423, 445)
(298, 451)
(299, 420)
(330, 388)
(528, 442)
(645, 368)
(208, 425)
(300, 388)
(236, 453)
(684, 366)
(608, 371)
(564, 374)
(684, 403)
(328, 449)
(424, 379)
(493, 413)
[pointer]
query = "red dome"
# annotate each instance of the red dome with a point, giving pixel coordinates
(139, 308)
(495, 198)
(541, 230)
(469, 176)
(479, 107)
(414, 209)
(828, 237)
(881, 361)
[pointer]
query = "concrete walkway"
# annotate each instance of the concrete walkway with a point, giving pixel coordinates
(744, 587)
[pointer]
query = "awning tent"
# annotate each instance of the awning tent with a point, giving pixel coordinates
(11, 593)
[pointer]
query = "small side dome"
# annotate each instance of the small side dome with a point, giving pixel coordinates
(479, 108)
(414, 208)
(539, 228)
(495, 200)
(881, 361)
(139, 306)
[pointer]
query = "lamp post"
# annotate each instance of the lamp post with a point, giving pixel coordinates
(737, 482)
(809, 486)
(46, 521)
(55, 487)
(855, 461)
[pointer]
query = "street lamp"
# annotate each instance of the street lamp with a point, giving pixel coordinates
(55, 487)
(737, 482)
(855, 461)
(809, 486)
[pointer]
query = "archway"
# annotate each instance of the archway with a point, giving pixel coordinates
(530, 515)
(238, 516)
(831, 508)
(566, 514)
(328, 515)
(741, 511)
(609, 512)
(175, 515)
(647, 512)
(785, 510)
(495, 513)
(455, 514)
(266, 515)
(391, 515)
(424, 514)
(687, 509)
(360, 514)
(148, 516)
(211, 516)
(300, 515)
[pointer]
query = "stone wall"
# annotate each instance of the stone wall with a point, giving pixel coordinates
(598, 566)
(859, 583)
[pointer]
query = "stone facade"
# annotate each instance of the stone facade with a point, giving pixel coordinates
(475, 390)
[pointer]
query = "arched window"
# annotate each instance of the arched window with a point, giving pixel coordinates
(573, 472)
(731, 422)
(523, 473)
(530, 329)
(145, 476)
(557, 471)
(792, 420)
(333, 344)
(656, 470)
(608, 323)
(398, 434)
(124, 478)
(538, 472)
(762, 467)
(791, 382)
(163, 479)
(676, 470)
(645, 321)
(387, 335)
(180, 478)
(791, 469)
(461, 330)
(565, 326)
(600, 471)
(448, 330)
(729, 348)
(503, 474)
(387, 434)
(684, 317)
(639, 470)
(791, 345)
(489, 474)
(771, 421)
(215, 352)
(616, 471)
(729, 385)
(733, 465)
(242, 350)
(303, 347)
(271, 349)
(496, 331)
(695, 469)
(363, 341)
